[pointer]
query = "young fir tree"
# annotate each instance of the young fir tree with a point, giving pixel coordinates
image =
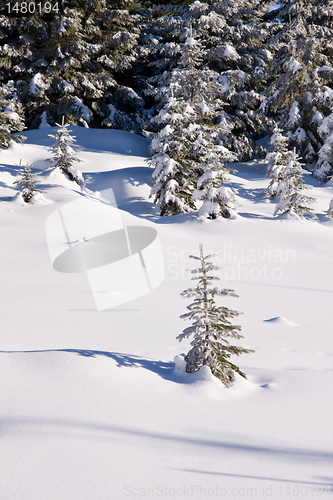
(173, 169)
(278, 158)
(292, 200)
(216, 197)
(28, 183)
(63, 155)
(173, 155)
(211, 326)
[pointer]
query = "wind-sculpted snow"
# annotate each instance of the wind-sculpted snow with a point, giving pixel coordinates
(280, 320)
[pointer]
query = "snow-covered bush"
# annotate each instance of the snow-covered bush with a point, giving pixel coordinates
(63, 155)
(211, 326)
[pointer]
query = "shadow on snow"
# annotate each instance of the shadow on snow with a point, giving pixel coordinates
(104, 432)
(326, 481)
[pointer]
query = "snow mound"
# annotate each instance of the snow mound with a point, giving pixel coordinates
(289, 216)
(37, 199)
(280, 320)
(40, 199)
(203, 380)
(56, 177)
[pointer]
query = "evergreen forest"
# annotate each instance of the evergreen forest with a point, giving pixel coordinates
(227, 73)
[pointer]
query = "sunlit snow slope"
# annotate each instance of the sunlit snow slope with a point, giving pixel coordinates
(92, 404)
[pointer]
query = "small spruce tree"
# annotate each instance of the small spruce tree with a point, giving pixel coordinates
(291, 199)
(28, 183)
(211, 188)
(211, 326)
(173, 174)
(278, 158)
(63, 155)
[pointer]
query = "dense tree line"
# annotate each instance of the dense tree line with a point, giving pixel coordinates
(239, 69)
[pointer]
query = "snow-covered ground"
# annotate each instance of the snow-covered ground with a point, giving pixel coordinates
(93, 405)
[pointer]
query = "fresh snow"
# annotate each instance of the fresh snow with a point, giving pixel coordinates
(295, 66)
(326, 126)
(82, 110)
(37, 84)
(43, 122)
(67, 87)
(230, 51)
(96, 404)
(294, 115)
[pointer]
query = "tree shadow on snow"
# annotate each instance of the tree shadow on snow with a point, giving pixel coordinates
(325, 481)
(13, 189)
(11, 169)
(162, 368)
(256, 195)
(104, 431)
(165, 369)
(248, 215)
(8, 198)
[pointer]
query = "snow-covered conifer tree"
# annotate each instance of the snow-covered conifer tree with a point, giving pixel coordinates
(217, 198)
(292, 199)
(299, 73)
(211, 327)
(10, 116)
(173, 159)
(173, 180)
(63, 155)
(324, 167)
(180, 150)
(28, 183)
(278, 158)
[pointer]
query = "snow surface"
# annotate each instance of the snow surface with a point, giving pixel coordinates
(97, 406)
